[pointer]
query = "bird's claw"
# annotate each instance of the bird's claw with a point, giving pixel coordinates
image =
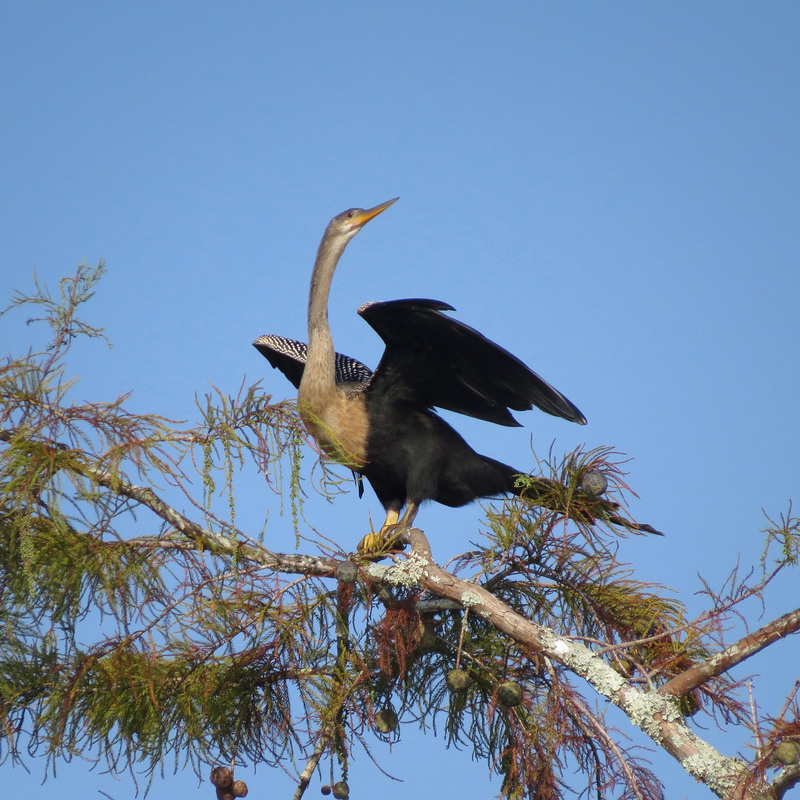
(384, 541)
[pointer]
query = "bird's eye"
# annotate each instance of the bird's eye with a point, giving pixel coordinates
(351, 213)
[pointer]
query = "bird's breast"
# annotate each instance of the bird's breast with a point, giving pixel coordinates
(338, 422)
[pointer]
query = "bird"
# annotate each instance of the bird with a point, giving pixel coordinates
(383, 424)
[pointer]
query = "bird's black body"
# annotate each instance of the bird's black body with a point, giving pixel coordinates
(431, 360)
(414, 455)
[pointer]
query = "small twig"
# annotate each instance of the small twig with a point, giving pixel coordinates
(754, 716)
(461, 638)
(788, 700)
(311, 766)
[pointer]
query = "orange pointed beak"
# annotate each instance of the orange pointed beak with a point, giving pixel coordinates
(365, 216)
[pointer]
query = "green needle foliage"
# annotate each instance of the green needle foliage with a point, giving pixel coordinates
(140, 627)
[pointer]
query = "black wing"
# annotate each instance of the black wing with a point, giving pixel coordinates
(289, 356)
(439, 361)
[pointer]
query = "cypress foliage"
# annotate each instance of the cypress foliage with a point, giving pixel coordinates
(138, 624)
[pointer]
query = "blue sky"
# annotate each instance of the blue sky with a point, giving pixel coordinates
(609, 190)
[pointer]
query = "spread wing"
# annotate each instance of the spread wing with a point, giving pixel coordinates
(289, 356)
(435, 360)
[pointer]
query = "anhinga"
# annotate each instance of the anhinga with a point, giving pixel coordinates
(381, 424)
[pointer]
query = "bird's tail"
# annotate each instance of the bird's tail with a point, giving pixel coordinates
(583, 502)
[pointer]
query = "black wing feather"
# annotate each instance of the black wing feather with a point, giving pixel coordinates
(439, 361)
(289, 356)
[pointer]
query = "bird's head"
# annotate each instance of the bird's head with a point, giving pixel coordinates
(350, 222)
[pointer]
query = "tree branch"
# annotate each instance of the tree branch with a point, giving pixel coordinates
(216, 542)
(311, 765)
(785, 780)
(747, 646)
(656, 714)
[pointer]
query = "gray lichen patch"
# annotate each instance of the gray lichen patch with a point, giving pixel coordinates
(718, 772)
(407, 571)
(648, 709)
(469, 599)
(584, 663)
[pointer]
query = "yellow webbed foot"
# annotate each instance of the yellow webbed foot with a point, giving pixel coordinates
(383, 541)
(378, 544)
(371, 543)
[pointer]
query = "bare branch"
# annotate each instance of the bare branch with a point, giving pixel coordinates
(785, 780)
(731, 656)
(216, 542)
(311, 765)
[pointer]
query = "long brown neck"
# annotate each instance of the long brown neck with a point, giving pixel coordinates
(319, 374)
